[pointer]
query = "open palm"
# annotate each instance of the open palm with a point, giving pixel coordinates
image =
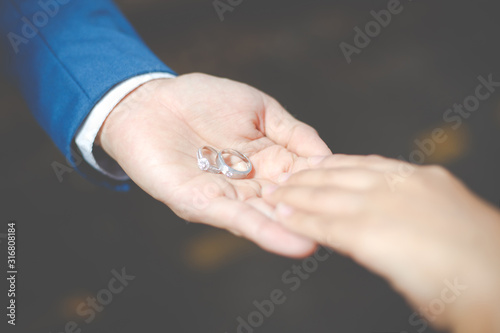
(155, 132)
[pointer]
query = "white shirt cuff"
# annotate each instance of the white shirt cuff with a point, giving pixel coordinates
(87, 133)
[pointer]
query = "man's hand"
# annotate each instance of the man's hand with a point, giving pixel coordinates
(418, 227)
(155, 132)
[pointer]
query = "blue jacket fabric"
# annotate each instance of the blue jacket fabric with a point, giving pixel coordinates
(65, 55)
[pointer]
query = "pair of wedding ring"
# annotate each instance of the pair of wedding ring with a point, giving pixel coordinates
(220, 164)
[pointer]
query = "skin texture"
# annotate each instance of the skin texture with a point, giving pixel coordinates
(418, 227)
(155, 133)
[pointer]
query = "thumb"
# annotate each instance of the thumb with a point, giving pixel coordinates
(298, 137)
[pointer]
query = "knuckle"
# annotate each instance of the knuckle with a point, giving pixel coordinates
(375, 158)
(437, 170)
(309, 129)
(330, 174)
(196, 75)
(339, 156)
(334, 159)
(318, 195)
(298, 177)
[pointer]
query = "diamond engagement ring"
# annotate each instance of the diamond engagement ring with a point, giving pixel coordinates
(227, 170)
(204, 163)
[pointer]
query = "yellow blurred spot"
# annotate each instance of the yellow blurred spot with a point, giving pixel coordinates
(214, 249)
(454, 145)
(70, 304)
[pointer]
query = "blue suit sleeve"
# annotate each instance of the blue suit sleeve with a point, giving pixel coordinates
(65, 55)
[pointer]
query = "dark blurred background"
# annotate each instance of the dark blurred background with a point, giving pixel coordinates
(193, 278)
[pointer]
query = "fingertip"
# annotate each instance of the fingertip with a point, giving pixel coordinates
(296, 247)
(283, 210)
(279, 240)
(268, 190)
(304, 250)
(284, 177)
(315, 160)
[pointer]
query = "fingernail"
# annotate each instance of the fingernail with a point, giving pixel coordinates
(268, 190)
(315, 160)
(284, 210)
(284, 177)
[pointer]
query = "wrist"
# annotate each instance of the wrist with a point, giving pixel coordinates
(122, 117)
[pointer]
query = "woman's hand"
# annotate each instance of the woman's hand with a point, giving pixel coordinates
(418, 227)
